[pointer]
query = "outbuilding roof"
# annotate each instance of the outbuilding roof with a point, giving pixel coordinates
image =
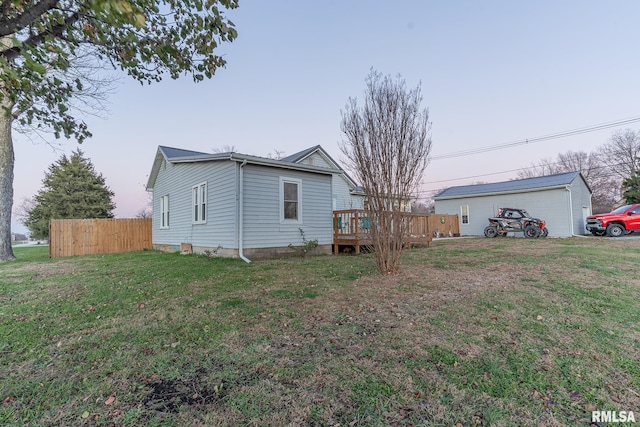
(513, 186)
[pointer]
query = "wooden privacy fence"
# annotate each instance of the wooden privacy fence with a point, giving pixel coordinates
(69, 237)
(444, 225)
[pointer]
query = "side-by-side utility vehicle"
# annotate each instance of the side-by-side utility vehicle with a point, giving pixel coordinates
(515, 220)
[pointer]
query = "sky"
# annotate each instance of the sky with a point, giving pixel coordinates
(492, 73)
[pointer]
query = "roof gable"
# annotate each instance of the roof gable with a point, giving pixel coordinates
(301, 156)
(171, 152)
(178, 155)
(514, 186)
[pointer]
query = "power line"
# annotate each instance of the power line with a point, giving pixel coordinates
(474, 176)
(593, 167)
(525, 141)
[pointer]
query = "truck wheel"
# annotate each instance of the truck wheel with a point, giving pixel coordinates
(615, 230)
(531, 231)
(490, 231)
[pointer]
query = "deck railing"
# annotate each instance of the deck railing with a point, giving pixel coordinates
(352, 228)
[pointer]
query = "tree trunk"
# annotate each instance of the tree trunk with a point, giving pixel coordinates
(7, 161)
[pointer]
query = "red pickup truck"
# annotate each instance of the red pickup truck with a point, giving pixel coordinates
(623, 220)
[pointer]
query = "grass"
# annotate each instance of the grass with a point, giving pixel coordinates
(496, 332)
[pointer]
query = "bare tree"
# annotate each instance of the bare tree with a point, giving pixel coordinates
(546, 166)
(570, 161)
(621, 155)
(276, 155)
(387, 143)
(21, 211)
(605, 187)
(225, 149)
(422, 207)
(147, 210)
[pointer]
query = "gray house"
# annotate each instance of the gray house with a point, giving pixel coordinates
(563, 200)
(346, 194)
(238, 205)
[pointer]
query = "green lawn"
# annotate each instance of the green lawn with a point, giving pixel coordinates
(498, 332)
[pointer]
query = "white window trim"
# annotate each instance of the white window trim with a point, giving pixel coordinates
(298, 182)
(196, 193)
(164, 212)
(462, 214)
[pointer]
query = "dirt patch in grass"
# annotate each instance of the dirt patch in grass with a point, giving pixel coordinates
(170, 395)
(47, 269)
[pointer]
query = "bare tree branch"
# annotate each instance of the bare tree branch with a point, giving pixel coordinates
(387, 143)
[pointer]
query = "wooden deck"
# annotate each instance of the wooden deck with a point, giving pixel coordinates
(352, 228)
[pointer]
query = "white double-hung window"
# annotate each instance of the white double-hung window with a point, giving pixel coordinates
(199, 203)
(164, 212)
(464, 213)
(290, 200)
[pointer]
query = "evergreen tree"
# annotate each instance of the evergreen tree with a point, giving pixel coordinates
(631, 187)
(71, 190)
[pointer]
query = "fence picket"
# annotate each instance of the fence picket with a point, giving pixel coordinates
(71, 237)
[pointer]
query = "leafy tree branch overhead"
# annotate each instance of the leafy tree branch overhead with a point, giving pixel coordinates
(41, 41)
(148, 39)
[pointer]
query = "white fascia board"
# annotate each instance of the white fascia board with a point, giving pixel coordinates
(500, 193)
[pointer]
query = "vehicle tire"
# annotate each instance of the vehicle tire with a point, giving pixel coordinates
(615, 230)
(598, 233)
(544, 232)
(531, 231)
(490, 231)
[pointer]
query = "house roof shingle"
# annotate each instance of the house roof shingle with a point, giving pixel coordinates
(171, 152)
(293, 158)
(517, 185)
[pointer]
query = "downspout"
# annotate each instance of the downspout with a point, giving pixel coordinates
(241, 216)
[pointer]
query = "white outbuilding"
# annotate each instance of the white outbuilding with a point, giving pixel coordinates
(562, 200)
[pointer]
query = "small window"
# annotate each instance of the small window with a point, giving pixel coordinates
(199, 203)
(290, 195)
(464, 213)
(164, 212)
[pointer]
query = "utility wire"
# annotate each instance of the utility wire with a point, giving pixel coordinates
(557, 135)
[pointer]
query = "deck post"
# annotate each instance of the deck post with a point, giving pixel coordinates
(357, 232)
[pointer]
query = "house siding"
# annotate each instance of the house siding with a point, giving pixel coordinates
(317, 160)
(342, 197)
(341, 191)
(262, 226)
(581, 202)
(176, 181)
